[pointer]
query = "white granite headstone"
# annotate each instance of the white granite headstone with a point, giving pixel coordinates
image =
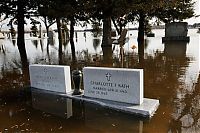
(116, 84)
(50, 77)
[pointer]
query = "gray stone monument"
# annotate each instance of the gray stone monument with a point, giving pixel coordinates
(176, 31)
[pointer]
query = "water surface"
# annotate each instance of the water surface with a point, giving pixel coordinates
(171, 75)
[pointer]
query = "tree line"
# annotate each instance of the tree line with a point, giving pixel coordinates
(118, 12)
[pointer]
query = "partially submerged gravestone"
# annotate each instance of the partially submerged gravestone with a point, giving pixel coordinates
(116, 88)
(121, 85)
(50, 77)
(176, 31)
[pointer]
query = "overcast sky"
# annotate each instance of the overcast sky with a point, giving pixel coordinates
(190, 21)
(197, 12)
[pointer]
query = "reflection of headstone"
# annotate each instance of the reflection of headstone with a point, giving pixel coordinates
(176, 31)
(51, 77)
(101, 120)
(119, 88)
(175, 48)
(51, 103)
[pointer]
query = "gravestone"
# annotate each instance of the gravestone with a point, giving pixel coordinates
(176, 31)
(50, 77)
(116, 84)
(116, 88)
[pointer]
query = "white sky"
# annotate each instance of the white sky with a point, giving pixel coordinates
(190, 21)
(197, 12)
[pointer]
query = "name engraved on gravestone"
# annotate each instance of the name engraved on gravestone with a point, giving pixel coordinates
(50, 77)
(117, 84)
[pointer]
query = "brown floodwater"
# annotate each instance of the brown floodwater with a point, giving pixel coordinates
(171, 75)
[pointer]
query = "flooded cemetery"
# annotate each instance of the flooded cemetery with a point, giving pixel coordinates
(171, 75)
(89, 66)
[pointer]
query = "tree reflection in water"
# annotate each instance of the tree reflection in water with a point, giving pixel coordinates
(165, 74)
(167, 77)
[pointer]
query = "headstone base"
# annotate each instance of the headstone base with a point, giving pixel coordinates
(176, 38)
(146, 109)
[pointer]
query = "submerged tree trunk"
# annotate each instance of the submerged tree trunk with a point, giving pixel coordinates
(20, 29)
(141, 37)
(72, 23)
(116, 27)
(46, 26)
(106, 41)
(60, 54)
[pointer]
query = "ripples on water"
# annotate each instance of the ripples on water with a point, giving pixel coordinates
(171, 74)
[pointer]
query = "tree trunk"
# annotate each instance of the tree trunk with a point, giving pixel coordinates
(60, 56)
(141, 37)
(46, 26)
(20, 38)
(116, 27)
(106, 41)
(72, 23)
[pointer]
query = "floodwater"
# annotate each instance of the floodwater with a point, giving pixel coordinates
(171, 75)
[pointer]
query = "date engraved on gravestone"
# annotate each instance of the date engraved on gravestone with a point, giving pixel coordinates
(117, 84)
(50, 77)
